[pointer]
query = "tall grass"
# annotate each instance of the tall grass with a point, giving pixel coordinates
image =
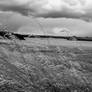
(44, 69)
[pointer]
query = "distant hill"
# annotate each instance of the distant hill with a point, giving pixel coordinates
(10, 35)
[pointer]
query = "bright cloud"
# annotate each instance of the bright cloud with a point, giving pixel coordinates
(62, 31)
(81, 9)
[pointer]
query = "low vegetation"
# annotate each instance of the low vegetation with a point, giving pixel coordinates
(33, 68)
(43, 68)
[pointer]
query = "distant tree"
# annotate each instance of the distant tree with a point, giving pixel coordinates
(4, 32)
(73, 38)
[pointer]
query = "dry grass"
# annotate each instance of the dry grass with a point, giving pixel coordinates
(28, 68)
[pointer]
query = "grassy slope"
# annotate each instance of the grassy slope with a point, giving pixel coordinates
(28, 68)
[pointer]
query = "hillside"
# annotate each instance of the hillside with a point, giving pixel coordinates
(44, 68)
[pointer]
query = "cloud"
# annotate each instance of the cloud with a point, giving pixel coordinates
(81, 9)
(30, 30)
(11, 7)
(62, 31)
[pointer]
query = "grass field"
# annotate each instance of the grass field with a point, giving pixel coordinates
(45, 66)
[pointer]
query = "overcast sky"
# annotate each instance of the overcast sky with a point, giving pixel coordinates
(57, 17)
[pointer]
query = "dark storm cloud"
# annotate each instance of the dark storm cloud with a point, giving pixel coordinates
(80, 9)
(19, 9)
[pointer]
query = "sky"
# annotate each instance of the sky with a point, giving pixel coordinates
(54, 17)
